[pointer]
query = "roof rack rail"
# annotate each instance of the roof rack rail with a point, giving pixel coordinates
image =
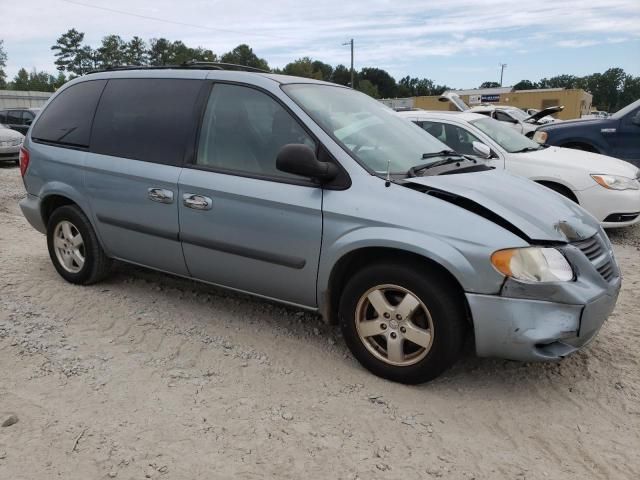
(188, 64)
(222, 66)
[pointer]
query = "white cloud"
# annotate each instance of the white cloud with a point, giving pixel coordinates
(387, 33)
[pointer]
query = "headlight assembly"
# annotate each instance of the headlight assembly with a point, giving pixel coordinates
(616, 182)
(533, 264)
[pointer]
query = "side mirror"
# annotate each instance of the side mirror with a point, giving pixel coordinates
(300, 159)
(482, 150)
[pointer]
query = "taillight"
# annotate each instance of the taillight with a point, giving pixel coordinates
(24, 160)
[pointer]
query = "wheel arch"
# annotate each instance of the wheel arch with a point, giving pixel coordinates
(356, 259)
(581, 144)
(559, 187)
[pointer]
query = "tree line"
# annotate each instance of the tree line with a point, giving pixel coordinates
(611, 90)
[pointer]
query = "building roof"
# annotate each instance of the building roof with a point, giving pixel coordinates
(483, 91)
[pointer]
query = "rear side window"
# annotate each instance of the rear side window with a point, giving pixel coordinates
(3, 117)
(14, 117)
(146, 119)
(67, 119)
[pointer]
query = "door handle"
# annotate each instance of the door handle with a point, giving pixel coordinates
(197, 202)
(160, 195)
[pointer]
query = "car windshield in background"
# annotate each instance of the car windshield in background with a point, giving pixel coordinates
(373, 133)
(623, 111)
(518, 114)
(505, 136)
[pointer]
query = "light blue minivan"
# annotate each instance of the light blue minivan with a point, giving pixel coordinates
(318, 196)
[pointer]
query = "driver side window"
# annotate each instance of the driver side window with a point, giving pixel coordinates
(244, 129)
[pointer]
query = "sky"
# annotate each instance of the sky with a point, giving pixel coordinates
(459, 43)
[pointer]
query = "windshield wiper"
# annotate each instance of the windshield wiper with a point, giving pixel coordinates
(527, 149)
(452, 157)
(441, 153)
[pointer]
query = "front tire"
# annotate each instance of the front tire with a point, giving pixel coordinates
(402, 324)
(74, 248)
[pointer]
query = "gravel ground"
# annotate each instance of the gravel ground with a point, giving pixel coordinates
(150, 376)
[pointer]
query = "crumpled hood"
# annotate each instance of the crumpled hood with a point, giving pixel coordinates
(540, 214)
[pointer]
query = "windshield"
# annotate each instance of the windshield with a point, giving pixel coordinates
(505, 136)
(622, 112)
(371, 132)
(518, 114)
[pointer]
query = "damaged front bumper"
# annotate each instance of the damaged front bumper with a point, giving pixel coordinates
(536, 322)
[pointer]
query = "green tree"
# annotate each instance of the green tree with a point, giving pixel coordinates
(366, 86)
(407, 87)
(489, 85)
(525, 85)
(325, 70)
(385, 83)
(303, 67)
(111, 52)
(3, 64)
(160, 51)
(203, 55)
(71, 55)
(559, 81)
(21, 80)
(243, 55)
(630, 91)
(135, 52)
(341, 75)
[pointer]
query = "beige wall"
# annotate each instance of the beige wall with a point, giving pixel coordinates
(576, 102)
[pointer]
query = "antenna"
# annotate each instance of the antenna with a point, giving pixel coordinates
(387, 179)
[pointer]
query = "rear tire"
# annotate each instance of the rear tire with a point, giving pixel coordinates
(74, 248)
(402, 324)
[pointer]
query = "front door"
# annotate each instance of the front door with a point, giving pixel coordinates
(244, 224)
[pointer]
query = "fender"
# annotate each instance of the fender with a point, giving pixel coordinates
(487, 280)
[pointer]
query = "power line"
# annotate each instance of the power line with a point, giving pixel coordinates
(173, 22)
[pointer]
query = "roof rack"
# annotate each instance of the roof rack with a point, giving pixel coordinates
(189, 64)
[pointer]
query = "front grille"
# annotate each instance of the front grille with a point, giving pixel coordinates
(592, 247)
(598, 254)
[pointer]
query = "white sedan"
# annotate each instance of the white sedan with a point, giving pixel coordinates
(606, 187)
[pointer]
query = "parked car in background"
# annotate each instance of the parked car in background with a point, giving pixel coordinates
(316, 195)
(10, 142)
(606, 187)
(596, 114)
(19, 119)
(617, 135)
(516, 118)
(543, 120)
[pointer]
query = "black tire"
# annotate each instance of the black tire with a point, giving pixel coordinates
(96, 264)
(437, 293)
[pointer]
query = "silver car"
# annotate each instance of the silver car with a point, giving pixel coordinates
(318, 196)
(10, 142)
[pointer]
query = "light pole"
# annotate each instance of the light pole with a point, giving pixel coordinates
(350, 42)
(502, 67)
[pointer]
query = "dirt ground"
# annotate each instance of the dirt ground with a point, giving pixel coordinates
(149, 376)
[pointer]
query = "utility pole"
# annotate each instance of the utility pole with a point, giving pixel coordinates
(352, 72)
(502, 67)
